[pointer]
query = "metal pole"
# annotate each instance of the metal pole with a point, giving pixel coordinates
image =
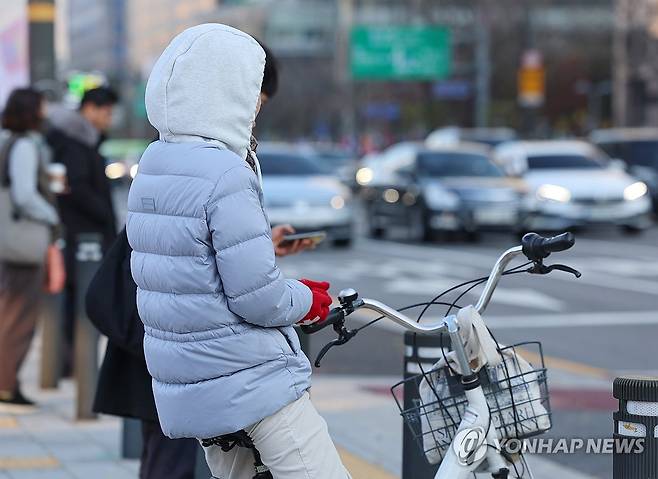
(530, 112)
(41, 16)
(51, 342)
(482, 66)
(620, 64)
(88, 256)
(131, 447)
(342, 67)
(201, 471)
(131, 438)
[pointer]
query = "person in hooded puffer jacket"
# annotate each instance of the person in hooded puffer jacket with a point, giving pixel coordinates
(218, 314)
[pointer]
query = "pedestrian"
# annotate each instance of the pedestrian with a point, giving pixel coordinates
(75, 137)
(124, 383)
(30, 262)
(217, 311)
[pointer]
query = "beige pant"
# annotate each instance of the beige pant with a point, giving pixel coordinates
(293, 442)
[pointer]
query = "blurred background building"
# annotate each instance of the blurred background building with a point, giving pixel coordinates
(582, 54)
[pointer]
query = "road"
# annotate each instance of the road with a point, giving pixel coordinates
(592, 328)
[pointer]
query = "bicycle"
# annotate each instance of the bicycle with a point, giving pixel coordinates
(473, 444)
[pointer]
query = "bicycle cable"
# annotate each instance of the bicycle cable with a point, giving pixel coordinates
(473, 284)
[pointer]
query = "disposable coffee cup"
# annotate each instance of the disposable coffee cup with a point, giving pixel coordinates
(57, 177)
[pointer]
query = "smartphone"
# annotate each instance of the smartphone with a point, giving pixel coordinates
(316, 236)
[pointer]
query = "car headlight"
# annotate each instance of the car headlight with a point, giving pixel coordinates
(635, 191)
(364, 176)
(337, 202)
(438, 198)
(115, 170)
(391, 195)
(554, 193)
(133, 170)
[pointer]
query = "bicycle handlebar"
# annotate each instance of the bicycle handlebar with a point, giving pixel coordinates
(335, 315)
(536, 247)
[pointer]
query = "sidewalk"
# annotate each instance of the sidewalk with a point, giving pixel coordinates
(363, 420)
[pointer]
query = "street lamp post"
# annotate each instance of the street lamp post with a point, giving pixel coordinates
(41, 17)
(620, 64)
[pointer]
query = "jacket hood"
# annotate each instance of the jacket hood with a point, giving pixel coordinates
(74, 125)
(205, 86)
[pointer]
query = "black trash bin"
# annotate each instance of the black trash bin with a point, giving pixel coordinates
(427, 351)
(636, 420)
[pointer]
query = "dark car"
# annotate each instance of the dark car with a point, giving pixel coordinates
(456, 188)
(638, 149)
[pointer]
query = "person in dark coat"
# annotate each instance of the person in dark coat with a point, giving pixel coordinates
(75, 137)
(124, 383)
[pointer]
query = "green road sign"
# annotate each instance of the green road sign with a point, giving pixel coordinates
(400, 53)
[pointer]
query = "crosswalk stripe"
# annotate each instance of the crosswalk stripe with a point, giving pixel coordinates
(360, 468)
(486, 260)
(8, 422)
(29, 462)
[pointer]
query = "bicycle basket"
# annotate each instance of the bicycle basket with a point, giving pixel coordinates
(516, 392)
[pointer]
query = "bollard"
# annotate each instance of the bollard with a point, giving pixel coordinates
(202, 470)
(131, 447)
(131, 438)
(427, 350)
(88, 256)
(51, 341)
(637, 418)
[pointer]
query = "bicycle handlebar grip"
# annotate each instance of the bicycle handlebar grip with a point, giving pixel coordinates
(536, 247)
(334, 316)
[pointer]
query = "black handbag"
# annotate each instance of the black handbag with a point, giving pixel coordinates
(111, 299)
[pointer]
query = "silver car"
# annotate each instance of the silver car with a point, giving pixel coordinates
(301, 191)
(573, 183)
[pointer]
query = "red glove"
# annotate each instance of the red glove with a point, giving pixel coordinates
(321, 302)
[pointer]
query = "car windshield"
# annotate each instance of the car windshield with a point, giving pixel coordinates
(456, 164)
(289, 164)
(545, 162)
(335, 158)
(643, 153)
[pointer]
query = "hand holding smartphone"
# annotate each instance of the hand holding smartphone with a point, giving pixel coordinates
(316, 237)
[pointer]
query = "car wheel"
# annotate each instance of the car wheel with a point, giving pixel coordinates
(373, 229)
(472, 236)
(632, 230)
(342, 243)
(419, 229)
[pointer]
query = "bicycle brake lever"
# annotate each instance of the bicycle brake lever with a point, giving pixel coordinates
(344, 335)
(325, 349)
(565, 268)
(541, 268)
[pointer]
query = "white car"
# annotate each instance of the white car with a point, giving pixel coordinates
(301, 191)
(573, 183)
(379, 168)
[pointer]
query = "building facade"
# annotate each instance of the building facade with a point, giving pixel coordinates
(97, 36)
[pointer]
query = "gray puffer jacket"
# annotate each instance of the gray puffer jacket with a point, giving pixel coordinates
(216, 309)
